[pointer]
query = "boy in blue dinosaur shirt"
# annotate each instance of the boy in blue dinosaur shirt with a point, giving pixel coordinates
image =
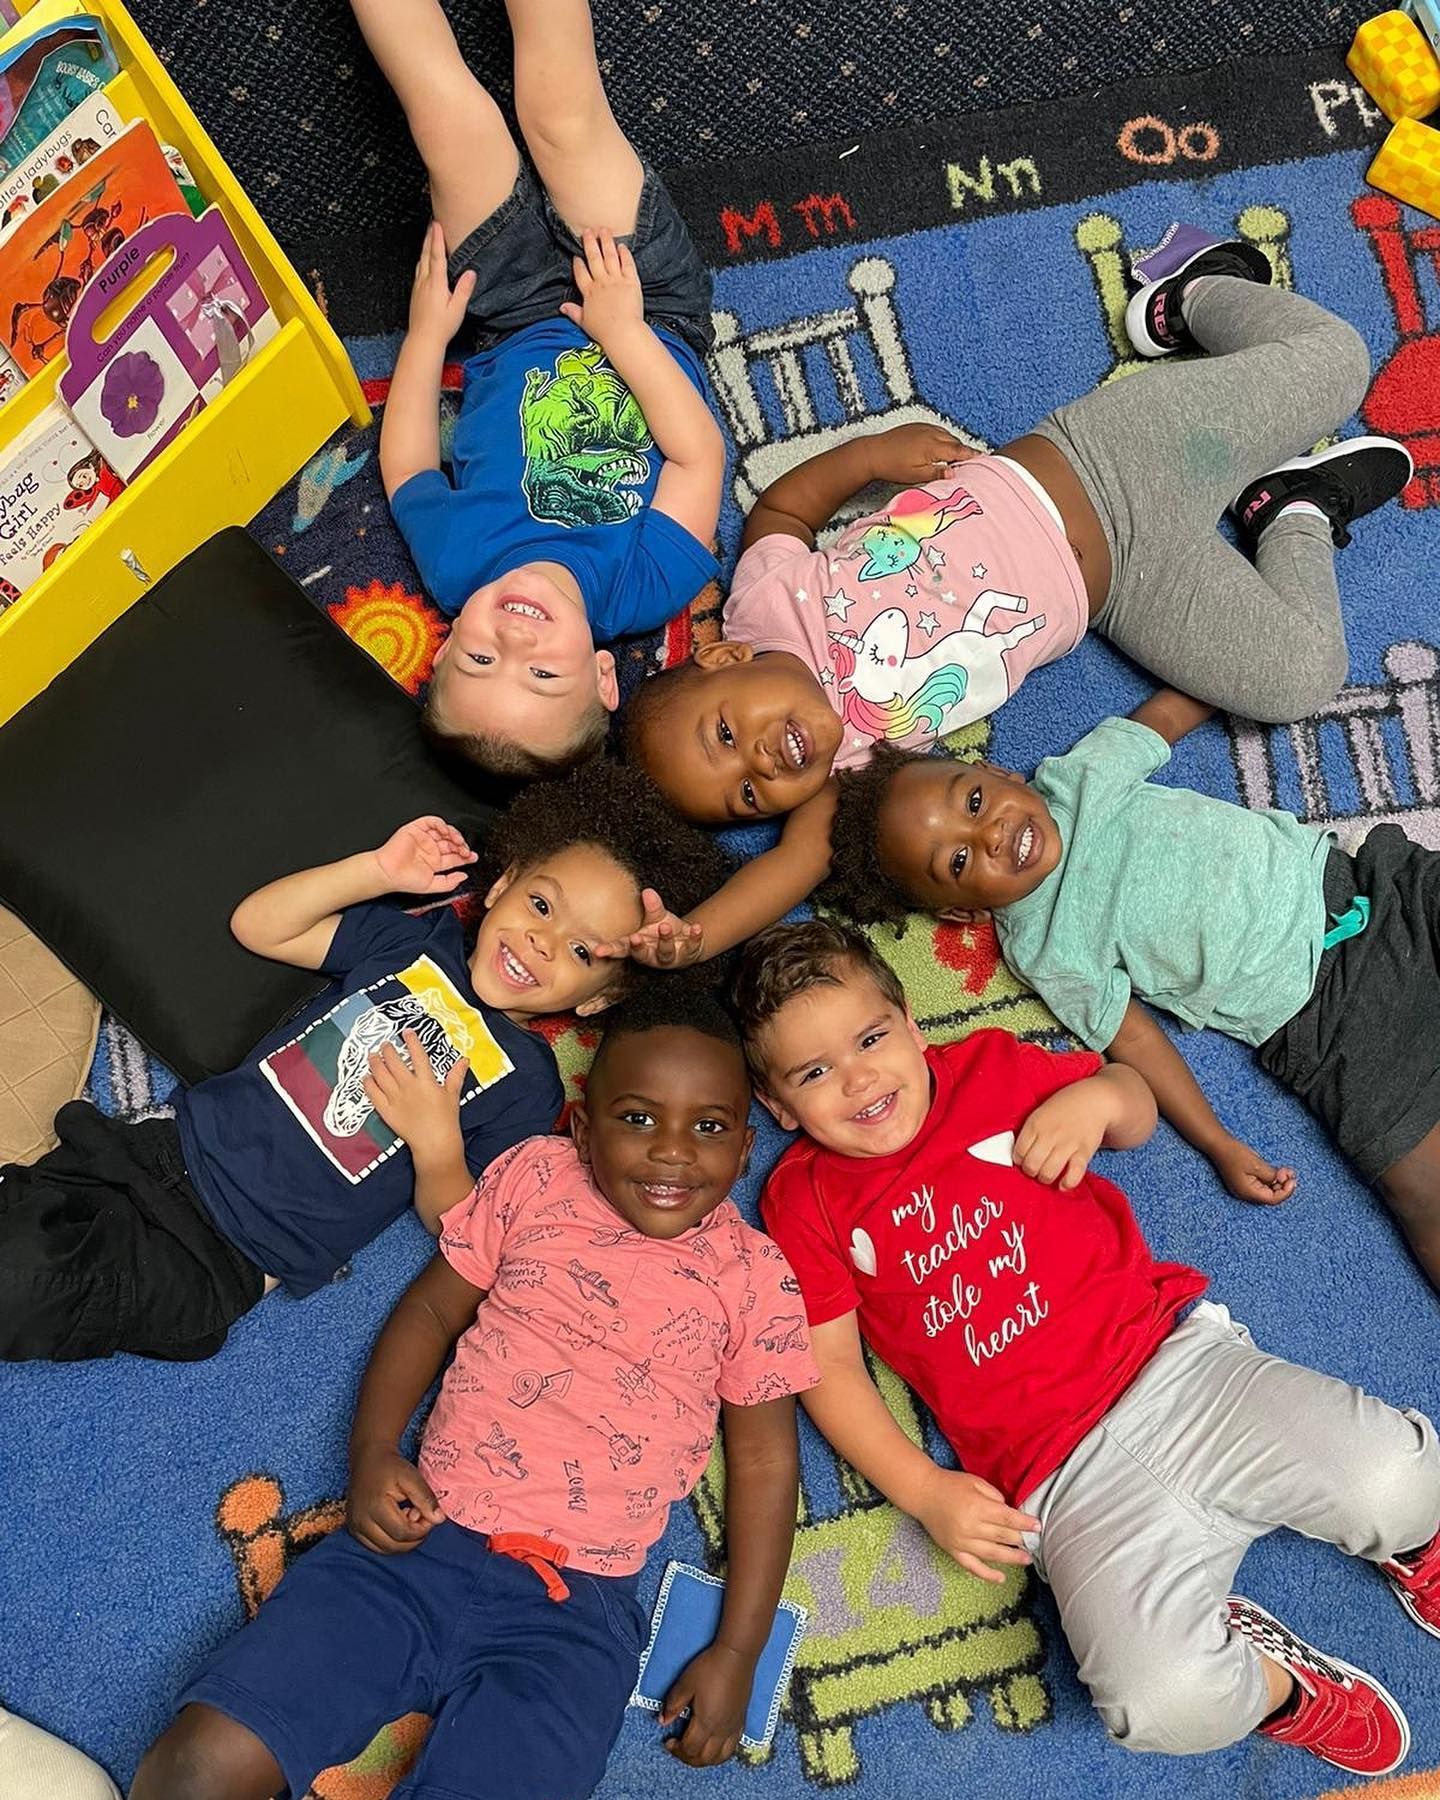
(587, 464)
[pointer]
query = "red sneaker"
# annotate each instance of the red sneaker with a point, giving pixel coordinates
(1342, 1715)
(1417, 1585)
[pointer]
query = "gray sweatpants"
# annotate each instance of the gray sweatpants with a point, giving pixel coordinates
(1164, 451)
(1143, 1526)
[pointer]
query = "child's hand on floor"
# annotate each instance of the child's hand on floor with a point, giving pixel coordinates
(715, 1685)
(1056, 1142)
(390, 1507)
(436, 309)
(427, 856)
(916, 453)
(1250, 1177)
(664, 940)
(611, 298)
(971, 1522)
(418, 1108)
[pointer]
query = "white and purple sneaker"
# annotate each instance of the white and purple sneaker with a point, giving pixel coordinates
(1153, 320)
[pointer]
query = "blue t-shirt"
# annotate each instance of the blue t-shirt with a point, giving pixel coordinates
(292, 1162)
(554, 462)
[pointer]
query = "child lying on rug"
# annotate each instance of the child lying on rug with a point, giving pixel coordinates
(1107, 889)
(929, 615)
(939, 1208)
(401, 1080)
(587, 464)
(575, 1275)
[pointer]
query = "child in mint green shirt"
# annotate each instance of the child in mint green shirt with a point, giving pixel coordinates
(1108, 890)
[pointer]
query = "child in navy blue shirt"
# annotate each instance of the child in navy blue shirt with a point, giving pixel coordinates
(587, 465)
(401, 1079)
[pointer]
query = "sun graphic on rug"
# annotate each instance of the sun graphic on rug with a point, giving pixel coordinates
(396, 627)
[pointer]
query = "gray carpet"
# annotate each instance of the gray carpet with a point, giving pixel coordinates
(288, 93)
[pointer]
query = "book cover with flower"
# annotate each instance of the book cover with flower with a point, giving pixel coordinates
(53, 483)
(47, 261)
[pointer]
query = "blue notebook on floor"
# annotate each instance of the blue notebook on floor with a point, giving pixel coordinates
(687, 1616)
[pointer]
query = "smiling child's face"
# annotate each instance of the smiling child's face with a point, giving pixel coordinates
(964, 837)
(520, 661)
(535, 951)
(663, 1126)
(846, 1065)
(743, 736)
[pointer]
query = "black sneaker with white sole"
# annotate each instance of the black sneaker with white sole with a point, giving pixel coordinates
(1348, 480)
(1154, 321)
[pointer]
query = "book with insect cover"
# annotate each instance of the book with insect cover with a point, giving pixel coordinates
(83, 134)
(45, 77)
(53, 483)
(46, 263)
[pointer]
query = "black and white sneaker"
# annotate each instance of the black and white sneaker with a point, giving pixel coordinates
(1153, 320)
(1346, 481)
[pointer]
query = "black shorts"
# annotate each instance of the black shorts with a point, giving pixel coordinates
(105, 1246)
(522, 258)
(1363, 1053)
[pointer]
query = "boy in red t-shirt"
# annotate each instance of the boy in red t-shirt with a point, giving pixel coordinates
(939, 1206)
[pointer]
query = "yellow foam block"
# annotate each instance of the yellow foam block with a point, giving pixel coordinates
(1392, 61)
(1407, 165)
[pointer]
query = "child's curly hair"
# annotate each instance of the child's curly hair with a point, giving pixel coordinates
(619, 811)
(857, 886)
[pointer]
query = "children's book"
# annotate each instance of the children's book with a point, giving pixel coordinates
(45, 77)
(686, 1618)
(81, 136)
(47, 261)
(137, 379)
(53, 483)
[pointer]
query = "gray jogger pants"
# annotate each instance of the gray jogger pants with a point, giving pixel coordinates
(1164, 451)
(1143, 1526)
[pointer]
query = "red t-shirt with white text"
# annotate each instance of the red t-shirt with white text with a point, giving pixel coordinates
(1018, 1313)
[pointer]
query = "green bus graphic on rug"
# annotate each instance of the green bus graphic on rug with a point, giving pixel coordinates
(584, 439)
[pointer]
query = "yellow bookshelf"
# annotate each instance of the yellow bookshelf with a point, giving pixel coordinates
(229, 461)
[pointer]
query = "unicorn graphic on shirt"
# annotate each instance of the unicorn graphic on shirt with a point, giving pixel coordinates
(886, 693)
(894, 542)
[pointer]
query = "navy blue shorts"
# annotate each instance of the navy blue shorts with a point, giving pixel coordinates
(522, 257)
(528, 1693)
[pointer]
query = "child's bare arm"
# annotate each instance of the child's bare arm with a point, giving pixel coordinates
(391, 1507)
(759, 893)
(807, 497)
(612, 310)
(410, 428)
(762, 1488)
(966, 1516)
(1171, 714)
(294, 919)
(1141, 1045)
(1113, 1109)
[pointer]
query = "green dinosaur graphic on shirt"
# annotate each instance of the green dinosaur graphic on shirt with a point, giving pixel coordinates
(584, 439)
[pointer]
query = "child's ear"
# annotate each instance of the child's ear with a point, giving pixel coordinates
(580, 1130)
(963, 915)
(745, 1153)
(607, 683)
(723, 654)
(777, 1110)
(914, 1029)
(499, 885)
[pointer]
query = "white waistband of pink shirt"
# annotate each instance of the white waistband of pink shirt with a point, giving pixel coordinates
(1034, 487)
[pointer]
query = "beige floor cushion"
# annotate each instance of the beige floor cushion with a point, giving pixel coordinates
(48, 1027)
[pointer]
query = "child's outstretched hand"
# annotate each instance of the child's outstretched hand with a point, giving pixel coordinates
(611, 298)
(1056, 1142)
(436, 309)
(427, 856)
(715, 1685)
(971, 1521)
(1250, 1177)
(418, 1108)
(664, 940)
(916, 453)
(390, 1507)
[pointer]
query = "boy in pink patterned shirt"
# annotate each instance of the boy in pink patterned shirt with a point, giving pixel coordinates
(604, 1300)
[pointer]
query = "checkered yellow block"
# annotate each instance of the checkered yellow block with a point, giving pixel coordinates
(1407, 165)
(1397, 68)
